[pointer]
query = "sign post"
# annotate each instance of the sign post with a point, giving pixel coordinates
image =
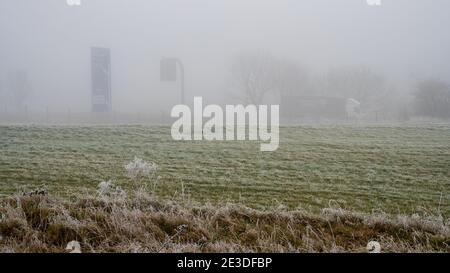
(168, 73)
(101, 79)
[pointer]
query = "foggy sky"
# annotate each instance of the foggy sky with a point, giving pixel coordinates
(404, 39)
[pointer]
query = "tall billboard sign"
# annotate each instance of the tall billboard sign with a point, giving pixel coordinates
(168, 69)
(101, 79)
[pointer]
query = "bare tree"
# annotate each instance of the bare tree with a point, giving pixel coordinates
(19, 88)
(432, 99)
(253, 75)
(257, 74)
(360, 83)
(292, 79)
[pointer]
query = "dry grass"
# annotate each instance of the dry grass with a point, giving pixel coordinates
(38, 222)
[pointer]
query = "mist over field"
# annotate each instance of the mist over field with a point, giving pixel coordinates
(352, 154)
(400, 43)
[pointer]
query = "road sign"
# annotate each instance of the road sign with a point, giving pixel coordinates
(101, 79)
(168, 69)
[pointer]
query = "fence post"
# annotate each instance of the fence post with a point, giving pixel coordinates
(26, 113)
(68, 115)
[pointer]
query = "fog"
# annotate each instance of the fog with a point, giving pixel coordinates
(405, 41)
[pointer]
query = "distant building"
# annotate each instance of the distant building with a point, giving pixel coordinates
(101, 79)
(318, 107)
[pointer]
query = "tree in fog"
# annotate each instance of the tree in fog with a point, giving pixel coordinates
(360, 83)
(19, 88)
(257, 74)
(432, 99)
(292, 79)
(253, 76)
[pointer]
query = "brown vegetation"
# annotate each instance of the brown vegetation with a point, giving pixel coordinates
(38, 222)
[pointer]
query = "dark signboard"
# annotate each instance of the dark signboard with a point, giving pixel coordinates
(101, 79)
(168, 70)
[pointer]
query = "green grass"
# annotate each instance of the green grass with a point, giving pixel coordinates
(393, 169)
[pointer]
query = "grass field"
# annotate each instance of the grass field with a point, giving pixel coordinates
(390, 169)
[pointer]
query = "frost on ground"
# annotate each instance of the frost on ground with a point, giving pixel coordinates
(116, 221)
(356, 167)
(142, 223)
(395, 169)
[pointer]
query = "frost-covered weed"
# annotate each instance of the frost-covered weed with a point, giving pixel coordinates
(104, 187)
(107, 189)
(141, 172)
(140, 168)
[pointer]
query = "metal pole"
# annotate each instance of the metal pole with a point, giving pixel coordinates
(26, 113)
(181, 80)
